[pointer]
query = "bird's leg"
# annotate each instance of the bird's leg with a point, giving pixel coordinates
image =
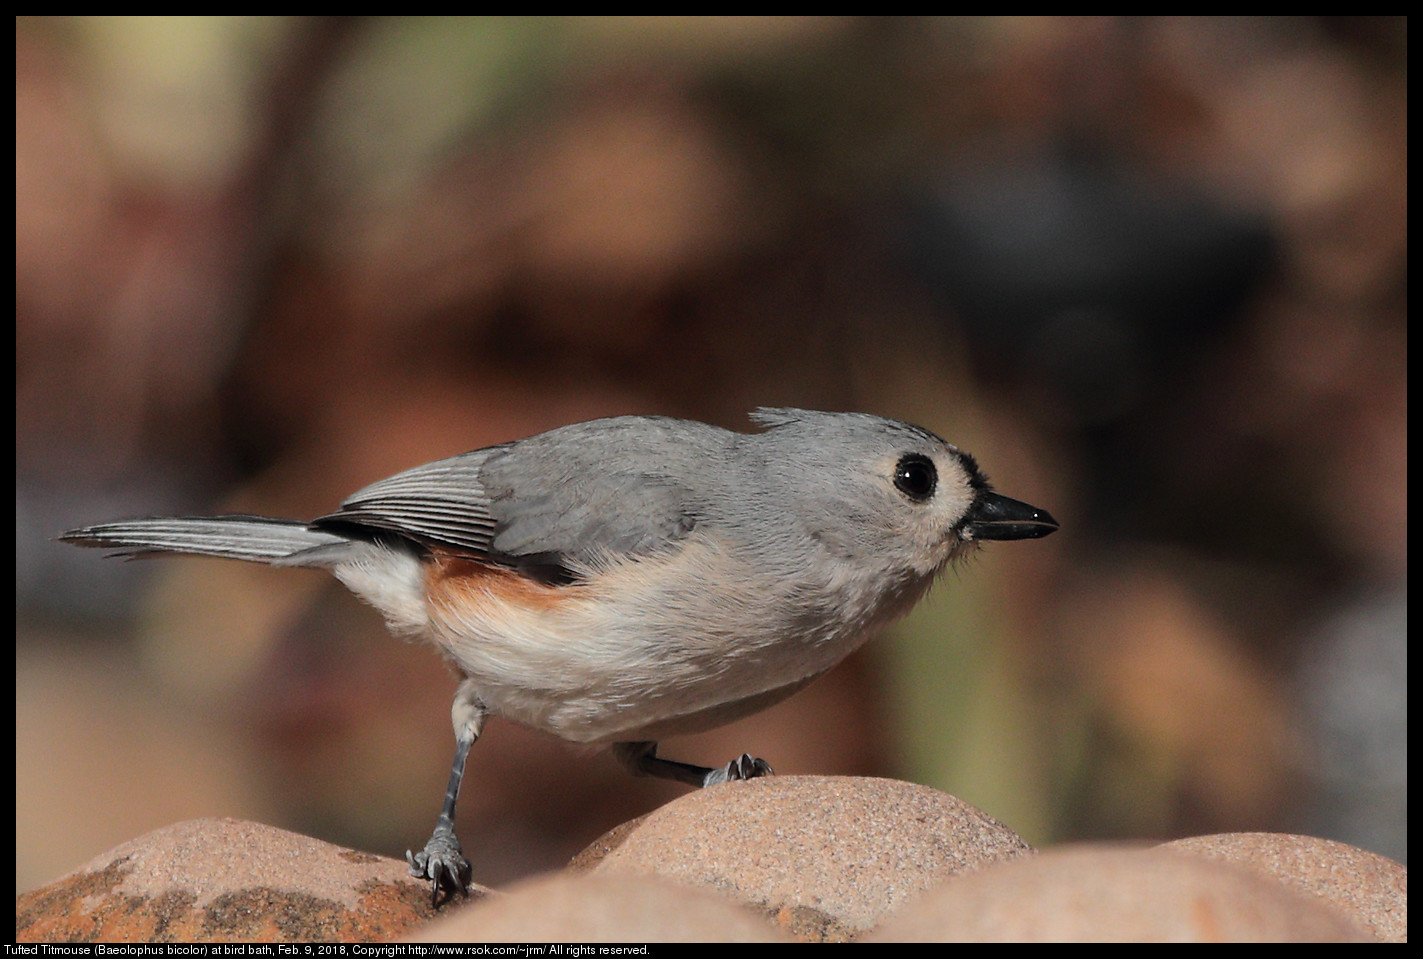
(640, 758)
(442, 861)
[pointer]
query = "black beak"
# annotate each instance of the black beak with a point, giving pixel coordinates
(998, 517)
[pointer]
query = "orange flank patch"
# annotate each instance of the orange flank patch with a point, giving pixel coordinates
(454, 581)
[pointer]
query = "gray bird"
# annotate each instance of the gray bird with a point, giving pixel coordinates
(627, 579)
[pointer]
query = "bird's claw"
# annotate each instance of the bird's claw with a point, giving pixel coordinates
(443, 864)
(745, 766)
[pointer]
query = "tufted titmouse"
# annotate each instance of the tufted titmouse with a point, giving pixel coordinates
(631, 578)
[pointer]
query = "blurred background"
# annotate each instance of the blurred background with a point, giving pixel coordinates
(1151, 272)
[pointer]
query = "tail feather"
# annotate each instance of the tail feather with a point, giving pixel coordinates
(252, 538)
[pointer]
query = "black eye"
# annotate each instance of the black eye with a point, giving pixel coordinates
(915, 476)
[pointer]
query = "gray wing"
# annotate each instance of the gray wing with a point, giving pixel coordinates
(439, 503)
(570, 498)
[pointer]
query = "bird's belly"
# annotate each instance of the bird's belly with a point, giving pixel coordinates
(642, 651)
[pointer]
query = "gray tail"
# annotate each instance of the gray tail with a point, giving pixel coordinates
(253, 538)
